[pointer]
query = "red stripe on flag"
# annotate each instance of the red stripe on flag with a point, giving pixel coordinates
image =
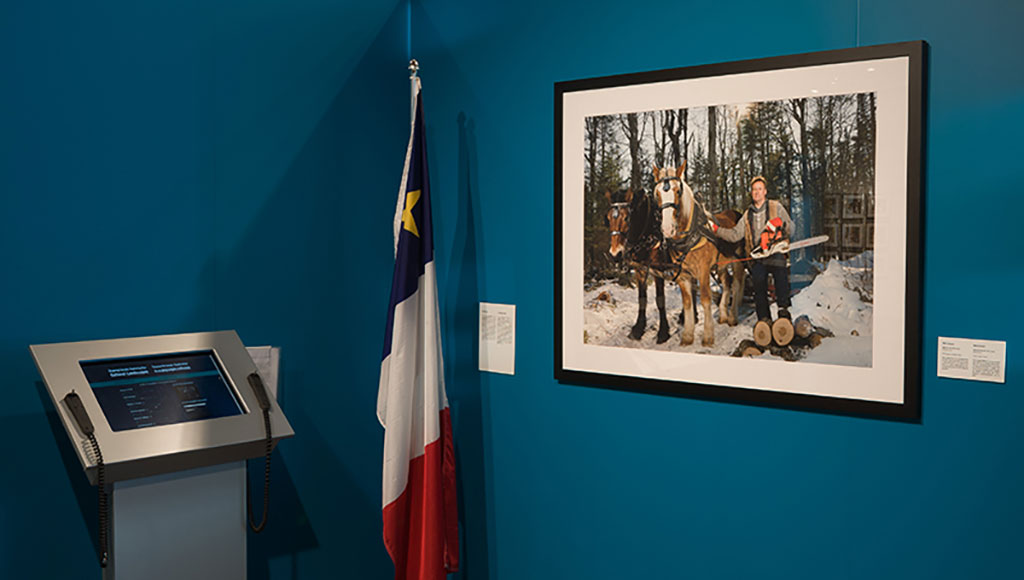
(421, 526)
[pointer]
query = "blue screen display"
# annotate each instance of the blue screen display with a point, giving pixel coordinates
(164, 389)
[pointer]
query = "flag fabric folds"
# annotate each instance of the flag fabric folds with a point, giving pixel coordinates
(419, 503)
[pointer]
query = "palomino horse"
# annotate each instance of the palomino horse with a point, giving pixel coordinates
(636, 238)
(690, 245)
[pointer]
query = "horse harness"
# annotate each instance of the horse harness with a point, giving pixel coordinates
(649, 240)
(692, 236)
(646, 241)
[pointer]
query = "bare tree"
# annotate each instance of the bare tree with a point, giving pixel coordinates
(662, 135)
(713, 152)
(591, 128)
(634, 131)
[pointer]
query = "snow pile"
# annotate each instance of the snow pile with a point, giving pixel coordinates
(831, 301)
(865, 260)
(835, 301)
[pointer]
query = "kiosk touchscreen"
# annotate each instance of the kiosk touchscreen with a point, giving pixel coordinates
(148, 391)
(167, 422)
(159, 404)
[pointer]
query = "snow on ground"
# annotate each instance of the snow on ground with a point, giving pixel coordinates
(835, 300)
(854, 351)
(608, 322)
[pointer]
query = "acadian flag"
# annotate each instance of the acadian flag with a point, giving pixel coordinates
(420, 513)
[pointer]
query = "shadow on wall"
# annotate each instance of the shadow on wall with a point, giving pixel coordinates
(311, 273)
(85, 494)
(293, 532)
(457, 213)
(47, 503)
(463, 383)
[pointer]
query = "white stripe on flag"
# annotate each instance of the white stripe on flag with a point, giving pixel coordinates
(412, 393)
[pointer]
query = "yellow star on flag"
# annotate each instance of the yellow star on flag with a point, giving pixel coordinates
(407, 220)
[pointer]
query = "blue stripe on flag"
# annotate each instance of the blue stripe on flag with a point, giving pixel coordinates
(416, 234)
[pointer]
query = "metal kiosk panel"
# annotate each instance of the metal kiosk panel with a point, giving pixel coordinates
(160, 404)
(175, 417)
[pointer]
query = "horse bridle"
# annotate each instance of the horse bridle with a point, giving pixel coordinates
(618, 205)
(665, 187)
(664, 183)
(690, 234)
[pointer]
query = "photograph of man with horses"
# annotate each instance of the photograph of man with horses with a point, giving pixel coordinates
(754, 222)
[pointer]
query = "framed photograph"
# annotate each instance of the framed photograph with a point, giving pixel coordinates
(696, 219)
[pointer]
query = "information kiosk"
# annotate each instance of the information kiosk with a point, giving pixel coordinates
(168, 423)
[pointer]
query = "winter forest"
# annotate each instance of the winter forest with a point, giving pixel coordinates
(817, 155)
(818, 158)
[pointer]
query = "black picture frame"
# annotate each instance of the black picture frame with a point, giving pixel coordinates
(890, 387)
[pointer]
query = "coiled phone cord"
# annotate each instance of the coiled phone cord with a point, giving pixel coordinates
(266, 480)
(101, 488)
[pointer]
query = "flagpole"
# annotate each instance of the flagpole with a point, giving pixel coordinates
(414, 69)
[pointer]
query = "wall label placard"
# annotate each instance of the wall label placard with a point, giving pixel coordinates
(498, 338)
(971, 359)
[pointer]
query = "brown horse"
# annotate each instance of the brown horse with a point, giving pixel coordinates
(690, 246)
(731, 274)
(636, 238)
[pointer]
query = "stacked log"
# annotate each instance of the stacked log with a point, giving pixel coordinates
(782, 331)
(748, 348)
(802, 326)
(762, 333)
(785, 338)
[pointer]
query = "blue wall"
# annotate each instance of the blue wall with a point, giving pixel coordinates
(591, 483)
(182, 166)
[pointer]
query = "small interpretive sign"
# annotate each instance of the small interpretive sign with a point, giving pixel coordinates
(498, 338)
(973, 360)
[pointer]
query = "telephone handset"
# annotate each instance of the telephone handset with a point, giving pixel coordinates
(264, 402)
(261, 391)
(74, 404)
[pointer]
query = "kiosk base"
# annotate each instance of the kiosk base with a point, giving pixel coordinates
(190, 524)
